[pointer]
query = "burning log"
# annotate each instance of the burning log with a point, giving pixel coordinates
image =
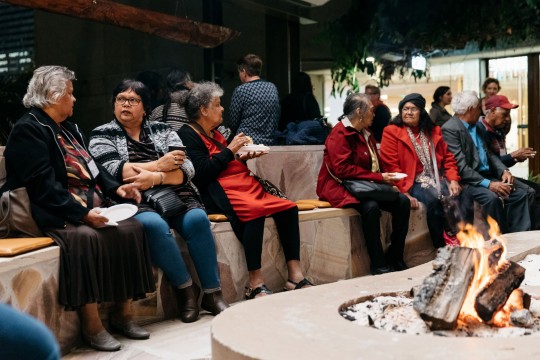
(443, 292)
(494, 295)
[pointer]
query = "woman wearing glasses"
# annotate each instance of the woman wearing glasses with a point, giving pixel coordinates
(46, 154)
(350, 153)
(137, 151)
(407, 147)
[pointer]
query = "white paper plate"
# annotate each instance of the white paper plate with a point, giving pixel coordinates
(253, 148)
(399, 175)
(118, 213)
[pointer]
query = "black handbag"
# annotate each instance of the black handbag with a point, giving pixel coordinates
(270, 188)
(367, 190)
(164, 200)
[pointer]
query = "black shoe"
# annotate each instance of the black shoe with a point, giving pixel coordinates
(379, 270)
(188, 303)
(130, 330)
(214, 303)
(400, 265)
(102, 341)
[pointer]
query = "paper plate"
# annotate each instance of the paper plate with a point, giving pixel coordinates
(118, 213)
(400, 175)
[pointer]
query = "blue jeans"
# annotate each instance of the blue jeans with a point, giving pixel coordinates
(194, 227)
(23, 337)
(434, 210)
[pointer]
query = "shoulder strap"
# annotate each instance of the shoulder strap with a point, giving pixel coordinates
(332, 175)
(435, 167)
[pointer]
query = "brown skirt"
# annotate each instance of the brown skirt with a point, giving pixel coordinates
(106, 264)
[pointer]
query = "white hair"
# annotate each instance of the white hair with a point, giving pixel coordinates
(48, 84)
(463, 101)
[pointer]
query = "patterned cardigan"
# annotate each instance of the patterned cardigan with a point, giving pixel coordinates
(108, 145)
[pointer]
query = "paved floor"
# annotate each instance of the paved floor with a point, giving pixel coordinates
(171, 339)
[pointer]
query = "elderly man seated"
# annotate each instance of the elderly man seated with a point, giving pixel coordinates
(492, 127)
(484, 177)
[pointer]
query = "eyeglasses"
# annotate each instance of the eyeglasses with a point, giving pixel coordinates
(131, 101)
(411, 109)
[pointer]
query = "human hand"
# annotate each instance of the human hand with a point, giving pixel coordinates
(129, 191)
(389, 177)
(94, 219)
(415, 204)
(237, 142)
(251, 155)
(143, 180)
(507, 177)
(500, 188)
(454, 188)
(523, 154)
(171, 160)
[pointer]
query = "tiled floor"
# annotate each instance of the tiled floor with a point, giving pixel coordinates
(171, 339)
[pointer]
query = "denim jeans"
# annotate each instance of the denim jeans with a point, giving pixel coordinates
(23, 337)
(194, 227)
(434, 210)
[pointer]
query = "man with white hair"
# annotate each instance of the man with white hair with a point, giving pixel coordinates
(484, 177)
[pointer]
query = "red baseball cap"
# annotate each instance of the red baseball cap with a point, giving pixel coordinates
(501, 101)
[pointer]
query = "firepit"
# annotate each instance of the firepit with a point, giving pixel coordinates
(307, 324)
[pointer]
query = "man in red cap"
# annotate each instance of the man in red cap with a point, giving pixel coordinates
(491, 127)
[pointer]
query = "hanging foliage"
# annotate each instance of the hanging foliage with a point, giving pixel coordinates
(392, 31)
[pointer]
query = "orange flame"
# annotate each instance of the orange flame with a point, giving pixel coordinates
(469, 236)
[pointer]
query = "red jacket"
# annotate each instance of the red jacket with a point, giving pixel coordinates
(398, 155)
(347, 155)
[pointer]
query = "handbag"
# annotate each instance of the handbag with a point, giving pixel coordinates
(164, 200)
(270, 188)
(15, 215)
(364, 189)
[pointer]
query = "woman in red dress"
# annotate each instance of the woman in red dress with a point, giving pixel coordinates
(226, 186)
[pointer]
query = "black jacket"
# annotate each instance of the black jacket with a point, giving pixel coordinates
(35, 160)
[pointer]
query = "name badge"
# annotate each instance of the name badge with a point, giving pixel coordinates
(93, 168)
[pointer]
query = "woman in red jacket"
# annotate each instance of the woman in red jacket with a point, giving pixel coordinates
(406, 147)
(350, 153)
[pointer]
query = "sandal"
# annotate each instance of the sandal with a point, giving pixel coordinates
(299, 285)
(251, 293)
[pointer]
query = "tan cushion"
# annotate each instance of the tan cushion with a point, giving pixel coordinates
(317, 203)
(305, 206)
(217, 217)
(16, 246)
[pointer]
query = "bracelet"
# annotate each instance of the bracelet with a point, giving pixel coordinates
(160, 178)
(152, 182)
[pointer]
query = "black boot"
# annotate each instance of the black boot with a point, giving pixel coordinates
(188, 303)
(214, 303)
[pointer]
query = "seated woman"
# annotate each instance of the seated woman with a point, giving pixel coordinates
(350, 153)
(46, 155)
(137, 151)
(407, 146)
(227, 187)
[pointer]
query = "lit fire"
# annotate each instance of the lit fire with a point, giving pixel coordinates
(484, 274)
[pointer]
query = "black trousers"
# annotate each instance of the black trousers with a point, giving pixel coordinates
(371, 225)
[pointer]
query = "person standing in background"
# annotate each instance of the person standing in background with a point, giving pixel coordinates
(490, 87)
(255, 109)
(300, 104)
(382, 112)
(441, 98)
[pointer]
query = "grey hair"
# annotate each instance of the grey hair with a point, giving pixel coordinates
(463, 101)
(201, 95)
(356, 101)
(47, 86)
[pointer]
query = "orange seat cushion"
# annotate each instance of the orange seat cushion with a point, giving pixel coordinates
(16, 246)
(217, 217)
(305, 206)
(317, 203)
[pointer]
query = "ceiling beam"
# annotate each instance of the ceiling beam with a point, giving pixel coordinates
(151, 22)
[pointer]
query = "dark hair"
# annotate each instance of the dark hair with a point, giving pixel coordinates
(302, 83)
(251, 64)
(178, 80)
(488, 81)
(439, 92)
(425, 123)
(154, 83)
(138, 88)
(373, 88)
(355, 101)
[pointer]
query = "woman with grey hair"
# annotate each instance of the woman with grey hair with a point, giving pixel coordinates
(350, 153)
(227, 187)
(98, 263)
(148, 153)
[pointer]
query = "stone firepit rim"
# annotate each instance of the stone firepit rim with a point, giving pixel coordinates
(306, 324)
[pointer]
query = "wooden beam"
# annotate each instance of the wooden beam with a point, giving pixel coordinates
(151, 22)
